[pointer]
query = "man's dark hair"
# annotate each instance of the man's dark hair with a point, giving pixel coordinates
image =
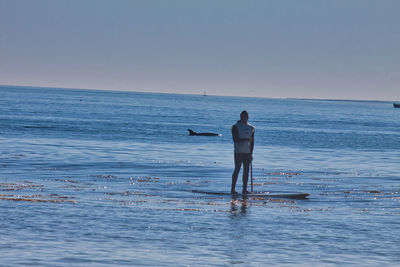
(244, 113)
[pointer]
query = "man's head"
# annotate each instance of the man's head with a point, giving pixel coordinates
(244, 116)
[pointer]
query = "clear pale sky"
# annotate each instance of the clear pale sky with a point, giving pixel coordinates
(341, 49)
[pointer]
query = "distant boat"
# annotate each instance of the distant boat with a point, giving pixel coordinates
(205, 93)
(396, 105)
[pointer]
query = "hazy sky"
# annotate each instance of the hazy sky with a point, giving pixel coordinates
(342, 49)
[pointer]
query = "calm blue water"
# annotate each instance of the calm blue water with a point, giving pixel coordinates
(97, 178)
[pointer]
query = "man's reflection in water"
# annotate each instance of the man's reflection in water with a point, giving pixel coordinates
(238, 205)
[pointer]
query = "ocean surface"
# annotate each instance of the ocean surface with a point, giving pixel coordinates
(105, 178)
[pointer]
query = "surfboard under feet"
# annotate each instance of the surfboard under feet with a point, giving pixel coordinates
(257, 194)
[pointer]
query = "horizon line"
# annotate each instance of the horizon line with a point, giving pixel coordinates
(171, 93)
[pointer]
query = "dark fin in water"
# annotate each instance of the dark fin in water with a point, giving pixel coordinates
(191, 132)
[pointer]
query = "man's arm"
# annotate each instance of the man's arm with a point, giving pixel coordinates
(252, 143)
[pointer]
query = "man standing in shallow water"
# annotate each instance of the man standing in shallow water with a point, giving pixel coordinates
(243, 139)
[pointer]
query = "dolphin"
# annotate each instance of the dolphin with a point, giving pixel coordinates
(193, 133)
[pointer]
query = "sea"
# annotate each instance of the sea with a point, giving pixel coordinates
(106, 178)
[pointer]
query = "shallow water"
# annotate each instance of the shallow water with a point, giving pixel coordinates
(95, 178)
